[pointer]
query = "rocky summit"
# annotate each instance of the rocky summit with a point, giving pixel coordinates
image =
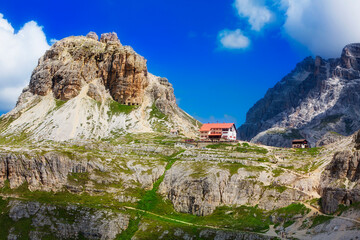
(319, 100)
(90, 152)
(87, 88)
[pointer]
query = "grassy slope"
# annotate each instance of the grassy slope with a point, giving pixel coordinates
(244, 218)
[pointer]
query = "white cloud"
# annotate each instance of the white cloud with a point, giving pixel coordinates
(323, 26)
(53, 40)
(233, 39)
(255, 11)
(19, 53)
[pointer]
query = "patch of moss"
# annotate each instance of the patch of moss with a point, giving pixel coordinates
(277, 172)
(292, 209)
(156, 113)
(320, 219)
(59, 103)
(116, 108)
(79, 178)
(288, 223)
(234, 167)
(219, 146)
(131, 229)
(310, 151)
(252, 149)
(279, 188)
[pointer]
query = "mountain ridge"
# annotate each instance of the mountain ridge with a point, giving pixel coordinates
(318, 100)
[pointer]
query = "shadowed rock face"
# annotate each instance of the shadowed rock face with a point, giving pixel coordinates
(46, 223)
(340, 180)
(77, 60)
(318, 97)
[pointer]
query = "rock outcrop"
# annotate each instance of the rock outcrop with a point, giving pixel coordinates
(318, 100)
(46, 172)
(63, 222)
(200, 193)
(75, 61)
(58, 172)
(341, 179)
(85, 88)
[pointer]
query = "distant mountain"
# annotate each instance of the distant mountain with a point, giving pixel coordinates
(319, 100)
(84, 88)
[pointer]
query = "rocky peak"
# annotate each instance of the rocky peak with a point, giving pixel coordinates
(75, 62)
(92, 35)
(350, 57)
(81, 86)
(318, 100)
(109, 38)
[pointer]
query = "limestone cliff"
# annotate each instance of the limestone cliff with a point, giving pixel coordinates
(318, 100)
(83, 88)
(341, 178)
(48, 221)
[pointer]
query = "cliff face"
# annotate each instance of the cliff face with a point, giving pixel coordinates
(318, 100)
(75, 61)
(203, 194)
(45, 221)
(340, 180)
(84, 88)
(47, 172)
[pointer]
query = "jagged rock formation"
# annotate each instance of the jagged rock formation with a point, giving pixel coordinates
(200, 195)
(340, 180)
(47, 172)
(56, 171)
(83, 88)
(318, 100)
(76, 61)
(63, 222)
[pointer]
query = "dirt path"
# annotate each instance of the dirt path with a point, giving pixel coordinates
(334, 216)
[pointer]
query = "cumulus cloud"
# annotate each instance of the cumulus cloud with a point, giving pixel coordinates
(323, 26)
(19, 53)
(233, 39)
(255, 11)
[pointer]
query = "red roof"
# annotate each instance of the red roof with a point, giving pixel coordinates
(209, 126)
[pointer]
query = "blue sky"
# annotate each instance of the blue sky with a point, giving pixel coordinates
(215, 77)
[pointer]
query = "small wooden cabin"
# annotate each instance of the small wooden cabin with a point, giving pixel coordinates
(300, 143)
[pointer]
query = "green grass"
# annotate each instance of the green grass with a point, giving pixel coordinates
(79, 178)
(5, 122)
(234, 167)
(63, 197)
(21, 227)
(252, 149)
(116, 108)
(59, 103)
(311, 151)
(277, 172)
(131, 229)
(288, 223)
(3, 204)
(292, 209)
(288, 167)
(151, 199)
(320, 219)
(279, 188)
(219, 146)
(156, 113)
(240, 218)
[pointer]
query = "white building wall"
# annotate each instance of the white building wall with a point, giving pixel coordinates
(231, 134)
